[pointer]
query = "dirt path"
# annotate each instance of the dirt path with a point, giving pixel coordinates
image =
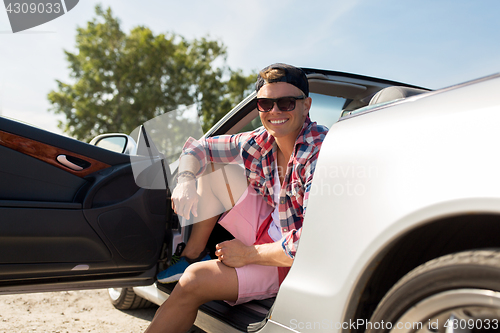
(69, 312)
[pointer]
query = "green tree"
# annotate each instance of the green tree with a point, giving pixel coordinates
(122, 80)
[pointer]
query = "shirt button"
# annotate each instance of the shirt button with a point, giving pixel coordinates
(285, 229)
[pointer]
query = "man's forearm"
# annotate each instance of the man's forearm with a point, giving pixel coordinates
(189, 163)
(270, 254)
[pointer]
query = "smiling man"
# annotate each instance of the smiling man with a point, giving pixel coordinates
(279, 161)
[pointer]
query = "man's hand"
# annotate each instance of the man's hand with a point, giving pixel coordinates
(233, 253)
(185, 198)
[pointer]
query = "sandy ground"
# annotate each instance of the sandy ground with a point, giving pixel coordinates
(70, 312)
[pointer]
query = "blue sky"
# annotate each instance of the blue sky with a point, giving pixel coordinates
(428, 43)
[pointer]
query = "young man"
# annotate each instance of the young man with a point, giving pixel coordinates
(279, 163)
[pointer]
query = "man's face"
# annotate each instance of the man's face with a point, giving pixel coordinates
(284, 124)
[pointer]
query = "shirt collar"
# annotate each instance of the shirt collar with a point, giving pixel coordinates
(302, 138)
(266, 141)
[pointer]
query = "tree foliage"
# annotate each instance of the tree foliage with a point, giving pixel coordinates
(122, 80)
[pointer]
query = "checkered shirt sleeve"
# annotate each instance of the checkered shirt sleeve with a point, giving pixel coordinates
(217, 149)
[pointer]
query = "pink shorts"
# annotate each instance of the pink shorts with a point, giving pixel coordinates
(244, 221)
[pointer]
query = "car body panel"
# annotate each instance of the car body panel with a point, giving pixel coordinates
(381, 175)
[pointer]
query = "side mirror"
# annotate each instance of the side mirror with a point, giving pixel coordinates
(117, 142)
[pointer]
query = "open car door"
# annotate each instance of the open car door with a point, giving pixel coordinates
(72, 216)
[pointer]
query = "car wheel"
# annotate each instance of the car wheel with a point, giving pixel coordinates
(455, 293)
(127, 299)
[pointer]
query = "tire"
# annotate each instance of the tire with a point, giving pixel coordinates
(126, 299)
(461, 291)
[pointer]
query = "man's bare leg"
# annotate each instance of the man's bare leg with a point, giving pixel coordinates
(207, 280)
(201, 282)
(199, 237)
(214, 200)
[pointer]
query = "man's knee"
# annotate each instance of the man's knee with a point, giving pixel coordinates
(191, 282)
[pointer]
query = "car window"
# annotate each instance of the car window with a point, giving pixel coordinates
(325, 110)
(254, 124)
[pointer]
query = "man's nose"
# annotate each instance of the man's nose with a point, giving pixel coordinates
(275, 108)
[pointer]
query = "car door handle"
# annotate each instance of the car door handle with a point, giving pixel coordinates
(63, 159)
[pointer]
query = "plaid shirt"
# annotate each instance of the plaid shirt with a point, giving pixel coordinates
(257, 151)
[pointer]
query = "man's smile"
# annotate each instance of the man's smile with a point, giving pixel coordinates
(277, 121)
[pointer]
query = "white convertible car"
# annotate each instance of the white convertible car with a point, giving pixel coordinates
(402, 230)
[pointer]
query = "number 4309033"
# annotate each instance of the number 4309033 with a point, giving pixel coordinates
(32, 8)
(471, 324)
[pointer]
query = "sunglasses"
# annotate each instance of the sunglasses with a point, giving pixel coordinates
(283, 103)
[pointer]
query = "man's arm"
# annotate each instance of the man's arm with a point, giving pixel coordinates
(271, 254)
(234, 253)
(184, 197)
(194, 159)
(189, 163)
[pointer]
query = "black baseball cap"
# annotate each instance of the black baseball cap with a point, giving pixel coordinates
(292, 75)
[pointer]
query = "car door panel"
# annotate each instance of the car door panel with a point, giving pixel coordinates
(86, 228)
(31, 235)
(120, 225)
(26, 178)
(61, 158)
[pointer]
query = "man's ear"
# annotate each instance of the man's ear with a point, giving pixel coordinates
(307, 106)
